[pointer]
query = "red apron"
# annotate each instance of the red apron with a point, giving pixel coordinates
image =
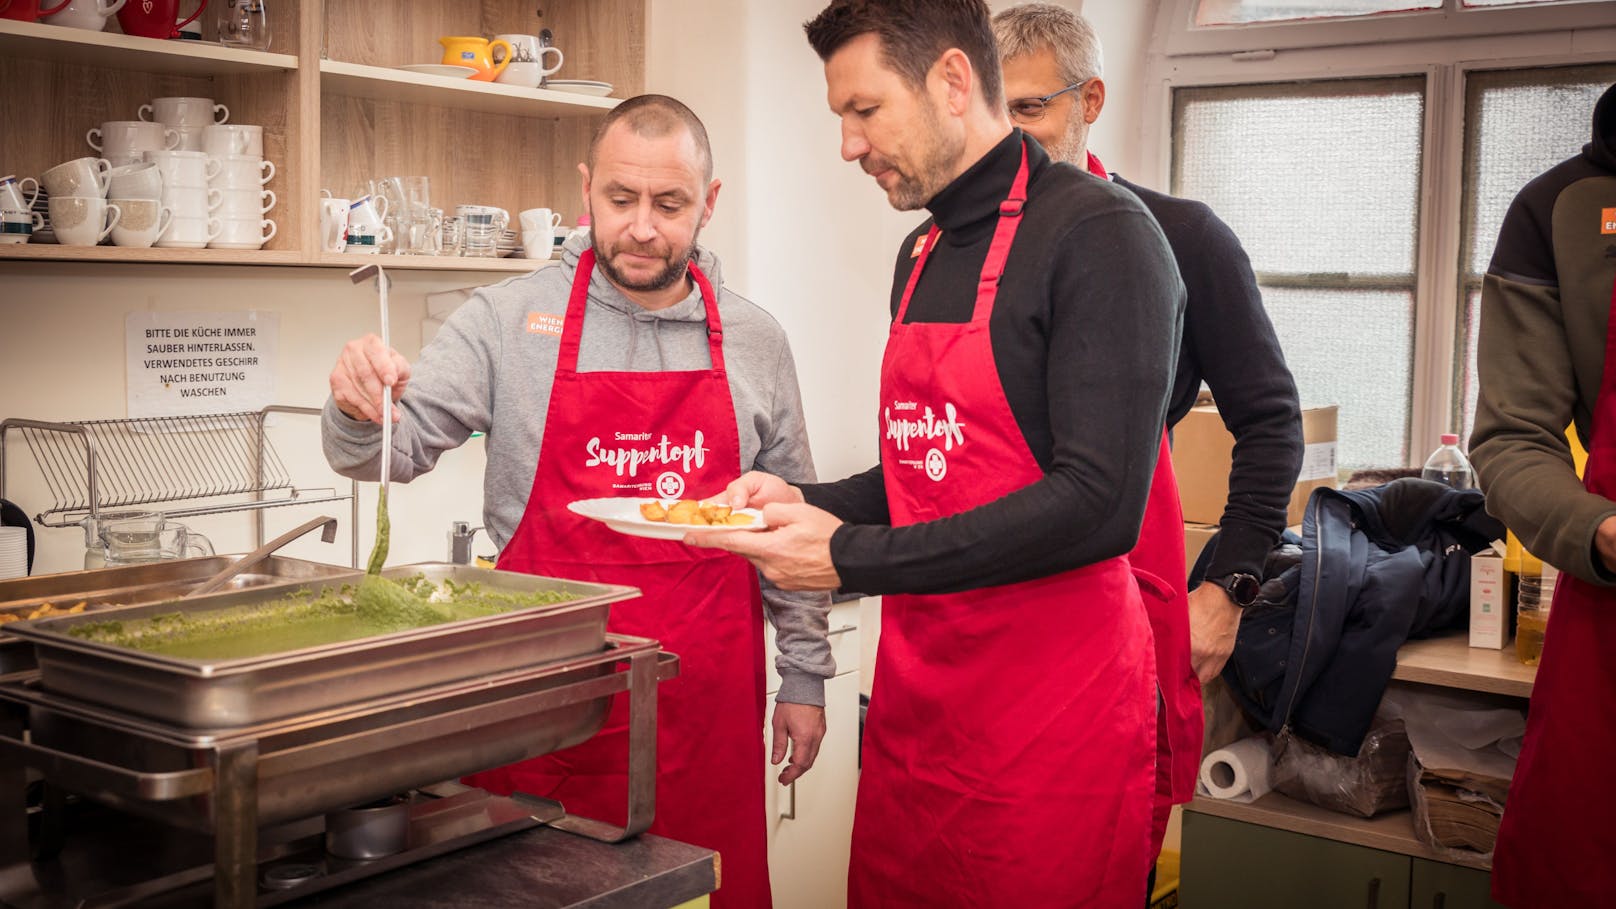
(1554, 846)
(702, 604)
(1009, 749)
(1158, 563)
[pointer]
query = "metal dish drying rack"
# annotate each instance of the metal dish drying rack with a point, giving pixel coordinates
(94, 465)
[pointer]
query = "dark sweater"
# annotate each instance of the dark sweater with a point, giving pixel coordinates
(1229, 343)
(1084, 332)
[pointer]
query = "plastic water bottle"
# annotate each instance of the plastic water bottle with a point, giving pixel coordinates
(582, 230)
(1448, 465)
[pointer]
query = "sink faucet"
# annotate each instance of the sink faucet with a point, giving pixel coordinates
(460, 534)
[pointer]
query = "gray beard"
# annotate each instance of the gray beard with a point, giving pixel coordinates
(673, 270)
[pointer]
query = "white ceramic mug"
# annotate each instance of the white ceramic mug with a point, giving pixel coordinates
(233, 139)
(123, 141)
(190, 233)
(78, 177)
(527, 49)
(86, 14)
(243, 233)
(244, 203)
(11, 192)
(366, 231)
(142, 222)
(539, 219)
(333, 224)
(82, 220)
(19, 226)
(136, 181)
(538, 244)
(190, 137)
(194, 112)
(242, 172)
(192, 201)
(184, 168)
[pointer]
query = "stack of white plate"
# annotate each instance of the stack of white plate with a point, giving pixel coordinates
(509, 242)
(13, 552)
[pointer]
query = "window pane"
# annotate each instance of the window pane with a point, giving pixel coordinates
(1354, 349)
(1315, 178)
(1234, 12)
(1469, 3)
(1518, 124)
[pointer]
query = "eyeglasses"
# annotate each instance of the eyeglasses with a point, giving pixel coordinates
(1031, 110)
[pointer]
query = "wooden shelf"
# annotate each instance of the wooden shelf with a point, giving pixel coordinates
(1391, 832)
(51, 252)
(385, 84)
(111, 50)
(1451, 662)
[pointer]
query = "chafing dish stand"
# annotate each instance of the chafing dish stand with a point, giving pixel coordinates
(438, 731)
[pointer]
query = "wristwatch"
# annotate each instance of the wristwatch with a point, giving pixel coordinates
(1243, 588)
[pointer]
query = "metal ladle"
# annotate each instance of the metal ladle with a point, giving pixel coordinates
(378, 555)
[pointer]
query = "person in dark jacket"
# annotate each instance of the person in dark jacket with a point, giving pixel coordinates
(1052, 75)
(1379, 566)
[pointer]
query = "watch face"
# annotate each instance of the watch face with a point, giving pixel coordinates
(1243, 589)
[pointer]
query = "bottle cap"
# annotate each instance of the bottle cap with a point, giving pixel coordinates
(1450, 438)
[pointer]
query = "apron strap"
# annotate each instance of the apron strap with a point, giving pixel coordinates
(572, 329)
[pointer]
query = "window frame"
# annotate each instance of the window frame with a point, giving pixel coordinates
(1385, 45)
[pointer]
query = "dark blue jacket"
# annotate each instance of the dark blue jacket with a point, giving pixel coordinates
(1379, 566)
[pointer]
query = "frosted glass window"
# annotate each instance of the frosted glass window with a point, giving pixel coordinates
(1320, 181)
(1471, 3)
(1518, 124)
(1236, 12)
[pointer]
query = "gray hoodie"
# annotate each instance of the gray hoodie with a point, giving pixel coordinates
(488, 371)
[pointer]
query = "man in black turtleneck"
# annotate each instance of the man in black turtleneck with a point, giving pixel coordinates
(1009, 750)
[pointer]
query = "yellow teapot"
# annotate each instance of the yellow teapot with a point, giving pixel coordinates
(476, 53)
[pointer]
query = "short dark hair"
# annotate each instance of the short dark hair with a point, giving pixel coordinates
(655, 116)
(913, 34)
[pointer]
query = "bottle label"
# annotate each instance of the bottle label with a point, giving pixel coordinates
(1318, 462)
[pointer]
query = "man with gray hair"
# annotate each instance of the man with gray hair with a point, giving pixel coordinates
(1054, 86)
(580, 375)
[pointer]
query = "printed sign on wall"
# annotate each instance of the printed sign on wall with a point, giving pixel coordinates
(189, 363)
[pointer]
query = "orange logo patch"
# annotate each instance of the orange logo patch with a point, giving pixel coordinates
(920, 247)
(542, 323)
(1607, 220)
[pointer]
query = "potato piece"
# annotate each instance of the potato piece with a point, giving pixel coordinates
(715, 514)
(78, 607)
(9, 617)
(687, 511)
(738, 520)
(653, 511)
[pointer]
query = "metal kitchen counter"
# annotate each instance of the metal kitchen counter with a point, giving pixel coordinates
(542, 868)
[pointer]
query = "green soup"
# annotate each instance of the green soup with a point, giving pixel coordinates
(304, 620)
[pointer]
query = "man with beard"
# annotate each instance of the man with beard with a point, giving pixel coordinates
(1052, 77)
(1009, 751)
(583, 376)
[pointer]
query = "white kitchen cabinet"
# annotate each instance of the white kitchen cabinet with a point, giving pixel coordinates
(810, 822)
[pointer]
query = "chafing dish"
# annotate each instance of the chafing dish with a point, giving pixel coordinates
(152, 582)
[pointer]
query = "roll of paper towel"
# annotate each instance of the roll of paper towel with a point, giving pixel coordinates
(1239, 772)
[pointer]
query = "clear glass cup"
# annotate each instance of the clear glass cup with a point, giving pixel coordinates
(243, 23)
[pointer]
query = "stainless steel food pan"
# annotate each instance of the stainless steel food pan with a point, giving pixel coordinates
(305, 766)
(219, 694)
(152, 582)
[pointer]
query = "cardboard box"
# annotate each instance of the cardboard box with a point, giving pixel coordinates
(1203, 453)
(1489, 601)
(1195, 538)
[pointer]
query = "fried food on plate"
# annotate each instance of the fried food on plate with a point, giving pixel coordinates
(689, 511)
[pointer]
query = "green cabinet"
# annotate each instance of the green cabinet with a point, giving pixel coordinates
(1230, 863)
(1439, 886)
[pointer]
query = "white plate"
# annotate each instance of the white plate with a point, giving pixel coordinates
(580, 86)
(623, 516)
(440, 69)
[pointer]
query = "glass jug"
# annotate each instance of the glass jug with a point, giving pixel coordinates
(244, 23)
(130, 537)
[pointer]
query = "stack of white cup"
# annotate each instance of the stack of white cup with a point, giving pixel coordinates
(13, 552)
(185, 176)
(79, 212)
(137, 190)
(187, 117)
(239, 178)
(538, 232)
(126, 141)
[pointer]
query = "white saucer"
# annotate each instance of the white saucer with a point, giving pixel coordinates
(448, 71)
(579, 86)
(623, 516)
(217, 245)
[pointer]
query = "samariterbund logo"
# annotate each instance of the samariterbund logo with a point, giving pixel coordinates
(635, 450)
(908, 426)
